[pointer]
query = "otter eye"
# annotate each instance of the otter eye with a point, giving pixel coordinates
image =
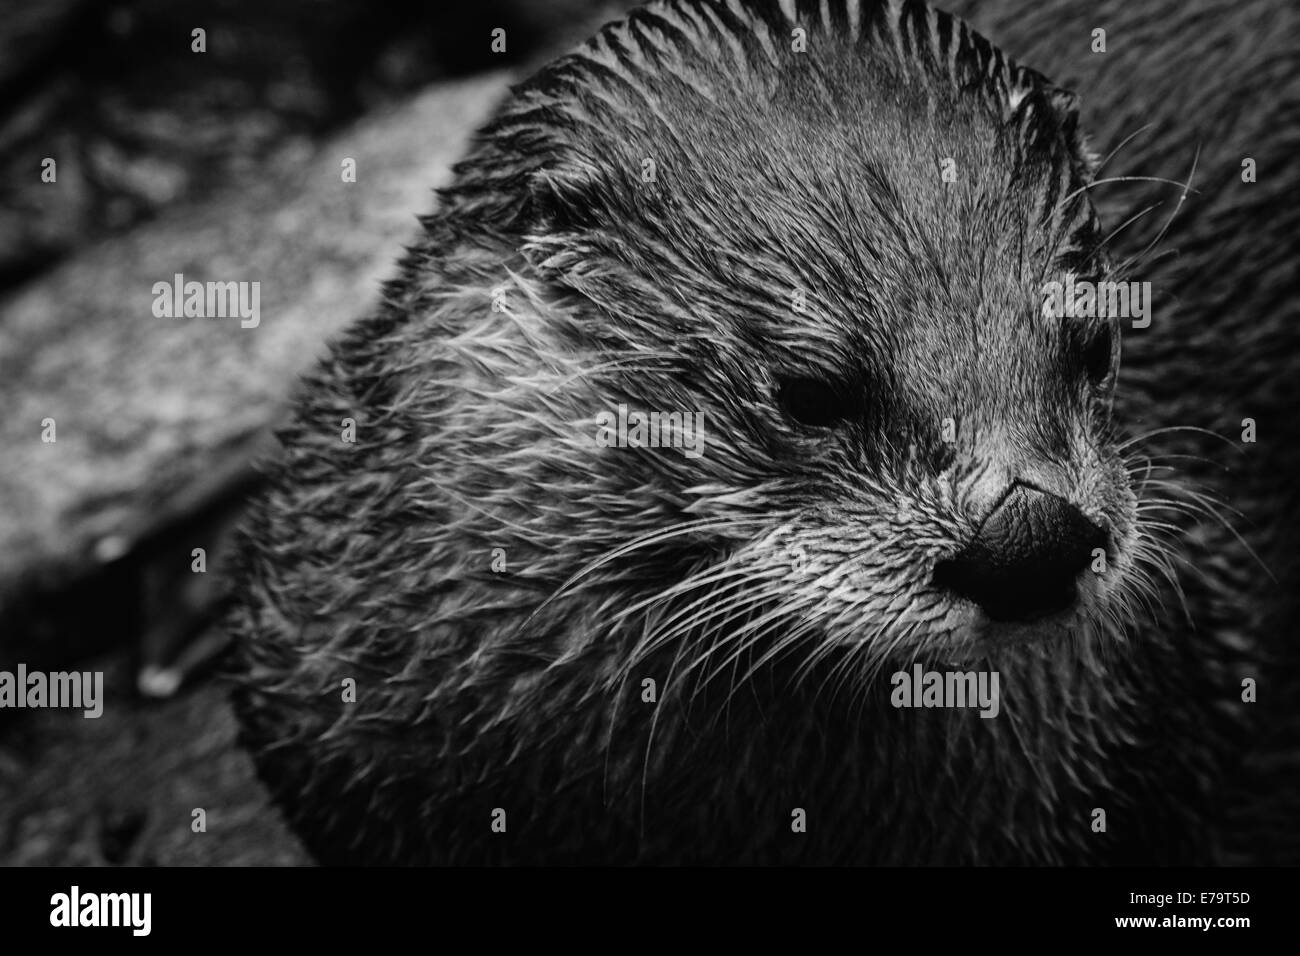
(812, 402)
(1099, 353)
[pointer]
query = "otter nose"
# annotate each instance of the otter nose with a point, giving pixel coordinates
(1026, 557)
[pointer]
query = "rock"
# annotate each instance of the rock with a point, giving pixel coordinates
(154, 419)
(137, 120)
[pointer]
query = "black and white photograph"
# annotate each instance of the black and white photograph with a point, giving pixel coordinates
(690, 433)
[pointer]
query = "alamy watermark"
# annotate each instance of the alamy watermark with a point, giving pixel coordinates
(922, 688)
(61, 689)
(130, 910)
(1080, 298)
(212, 300)
(626, 428)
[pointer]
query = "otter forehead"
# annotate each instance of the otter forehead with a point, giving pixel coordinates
(854, 188)
(732, 156)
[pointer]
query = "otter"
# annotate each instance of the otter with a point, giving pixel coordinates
(468, 630)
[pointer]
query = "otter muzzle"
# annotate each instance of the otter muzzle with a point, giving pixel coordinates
(1025, 560)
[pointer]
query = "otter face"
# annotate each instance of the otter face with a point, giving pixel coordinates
(839, 256)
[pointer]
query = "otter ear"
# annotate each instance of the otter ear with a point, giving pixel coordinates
(1038, 108)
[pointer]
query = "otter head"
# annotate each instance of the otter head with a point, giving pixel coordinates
(828, 228)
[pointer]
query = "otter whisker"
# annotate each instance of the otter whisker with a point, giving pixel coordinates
(1144, 591)
(791, 640)
(1186, 187)
(811, 587)
(1168, 429)
(744, 639)
(1201, 504)
(869, 663)
(1195, 496)
(713, 574)
(703, 608)
(1122, 143)
(650, 539)
(1152, 463)
(1136, 217)
(1123, 179)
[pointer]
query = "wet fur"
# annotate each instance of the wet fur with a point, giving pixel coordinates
(766, 585)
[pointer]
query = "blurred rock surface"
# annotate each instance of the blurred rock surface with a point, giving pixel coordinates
(136, 120)
(155, 416)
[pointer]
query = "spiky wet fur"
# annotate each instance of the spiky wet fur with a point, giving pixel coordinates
(768, 586)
